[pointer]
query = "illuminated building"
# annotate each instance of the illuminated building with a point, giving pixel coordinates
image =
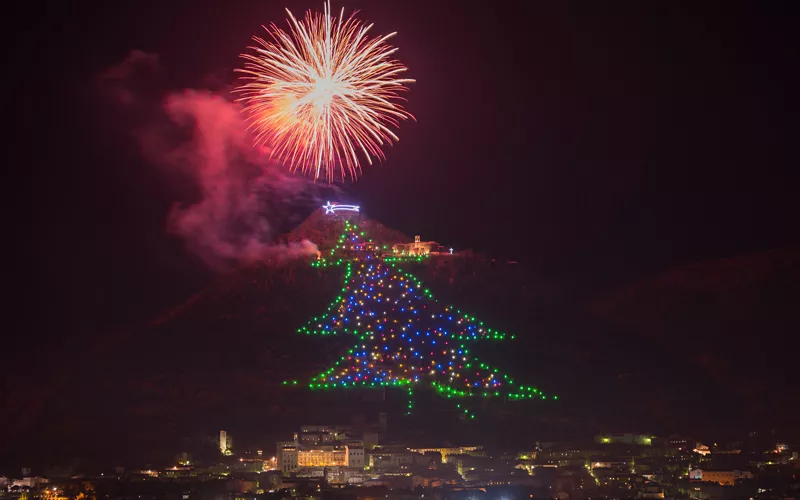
(615, 464)
(30, 482)
(293, 455)
(324, 456)
(331, 456)
(723, 477)
(642, 439)
(320, 446)
(179, 472)
(147, 472)
(53, 494)
(225, 443)
(420, 248)
(425, 481)
(615, 479)
(460, 450)
(334, 475)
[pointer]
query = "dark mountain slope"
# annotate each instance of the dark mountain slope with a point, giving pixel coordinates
(735, 319)
(218, 359)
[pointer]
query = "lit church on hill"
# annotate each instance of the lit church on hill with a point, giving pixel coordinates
(421, 248)
(417, 248)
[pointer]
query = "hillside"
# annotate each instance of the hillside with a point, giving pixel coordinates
(217, 360)
(733, 319)
(324, 230)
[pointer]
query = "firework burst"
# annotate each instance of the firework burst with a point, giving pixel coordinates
(323, 94)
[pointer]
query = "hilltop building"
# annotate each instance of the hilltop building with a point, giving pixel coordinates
(419, 247)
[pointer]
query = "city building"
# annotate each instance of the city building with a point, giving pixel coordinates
(702, 449)
(719, 476)
(345, 475)
(641, 439)
(564, 455)
(53, 494)
(390, 459)
(619, 464)
(225, 443)
(286, 456)
(314, 435)
(324, 456)
(307, 451)
(445, 451)
(781, 447)
(681, 443)
(325, 462)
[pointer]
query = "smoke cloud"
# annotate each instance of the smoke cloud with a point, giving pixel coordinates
(242, 197)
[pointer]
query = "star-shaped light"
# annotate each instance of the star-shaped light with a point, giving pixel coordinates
(332, 208)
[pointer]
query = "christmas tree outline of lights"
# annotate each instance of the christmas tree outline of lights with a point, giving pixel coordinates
(370, 363)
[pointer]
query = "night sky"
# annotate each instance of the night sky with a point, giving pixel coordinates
(597, 144)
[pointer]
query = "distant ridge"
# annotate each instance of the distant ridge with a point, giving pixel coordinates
(731, 317)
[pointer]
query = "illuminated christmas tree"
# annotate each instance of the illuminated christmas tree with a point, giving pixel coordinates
(404, 337)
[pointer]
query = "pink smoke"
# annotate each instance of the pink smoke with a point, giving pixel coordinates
(229, 222)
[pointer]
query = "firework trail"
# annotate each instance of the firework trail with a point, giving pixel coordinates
(324, 94)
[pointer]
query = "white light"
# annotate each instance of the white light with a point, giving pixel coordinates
(332, 208)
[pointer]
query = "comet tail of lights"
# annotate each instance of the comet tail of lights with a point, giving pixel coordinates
(332, 208)
(324, 95)
(403, 336)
